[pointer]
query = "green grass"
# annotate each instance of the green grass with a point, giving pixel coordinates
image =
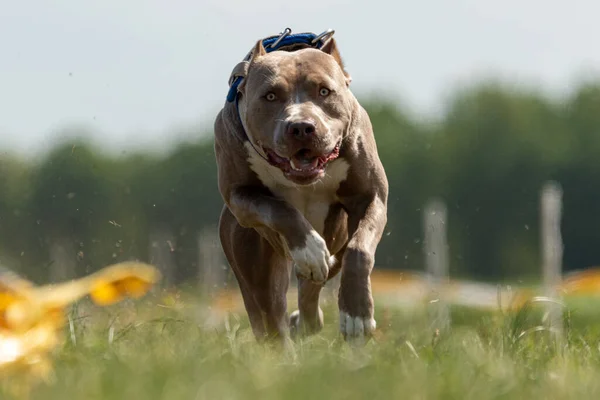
(163, 353)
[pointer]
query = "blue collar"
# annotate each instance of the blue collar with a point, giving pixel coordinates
(272, 43)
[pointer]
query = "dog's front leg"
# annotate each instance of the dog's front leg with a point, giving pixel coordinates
(366, 221)
(255, 208)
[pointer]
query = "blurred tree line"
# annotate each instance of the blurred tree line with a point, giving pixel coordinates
(487, 158)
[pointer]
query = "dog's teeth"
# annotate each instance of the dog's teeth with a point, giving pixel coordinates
(304, 166)
(294, 167)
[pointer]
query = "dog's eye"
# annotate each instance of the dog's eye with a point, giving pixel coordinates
(270, 96)
(324, 92)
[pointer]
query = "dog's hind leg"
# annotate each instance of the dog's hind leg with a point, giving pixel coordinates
(308, 319)
(263, 277)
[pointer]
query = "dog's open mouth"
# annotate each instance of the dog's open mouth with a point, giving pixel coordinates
(303, 165)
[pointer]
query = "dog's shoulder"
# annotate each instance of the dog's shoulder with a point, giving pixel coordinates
(230, 151)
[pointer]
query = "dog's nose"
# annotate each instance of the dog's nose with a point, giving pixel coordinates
(301, 130)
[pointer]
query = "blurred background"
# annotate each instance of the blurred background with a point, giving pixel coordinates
(106, 113)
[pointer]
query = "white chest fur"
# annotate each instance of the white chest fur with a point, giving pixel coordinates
(312, 201)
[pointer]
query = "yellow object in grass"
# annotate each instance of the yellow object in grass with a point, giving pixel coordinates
(31, 317)
(586, 282)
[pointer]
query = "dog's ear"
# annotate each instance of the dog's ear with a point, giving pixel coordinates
(239, 71)
(330, 47)
(258, 51)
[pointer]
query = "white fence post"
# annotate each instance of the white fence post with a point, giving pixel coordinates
(211, 269)
(63, 256)
(436, 258)
(552, 252)
(162, 254)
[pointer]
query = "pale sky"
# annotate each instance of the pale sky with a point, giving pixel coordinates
(135, 71)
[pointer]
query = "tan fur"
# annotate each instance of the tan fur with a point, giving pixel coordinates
(273, 220)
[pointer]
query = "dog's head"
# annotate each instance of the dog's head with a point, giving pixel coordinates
(296, 108)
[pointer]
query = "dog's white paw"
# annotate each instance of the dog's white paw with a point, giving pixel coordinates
(313, 260)
(356, 329)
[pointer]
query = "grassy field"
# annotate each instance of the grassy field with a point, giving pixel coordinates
(157, 348)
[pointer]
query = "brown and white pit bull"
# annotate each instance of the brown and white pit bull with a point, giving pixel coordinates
(303, 185)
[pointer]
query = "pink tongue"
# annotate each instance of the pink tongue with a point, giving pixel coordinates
(304, 164)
